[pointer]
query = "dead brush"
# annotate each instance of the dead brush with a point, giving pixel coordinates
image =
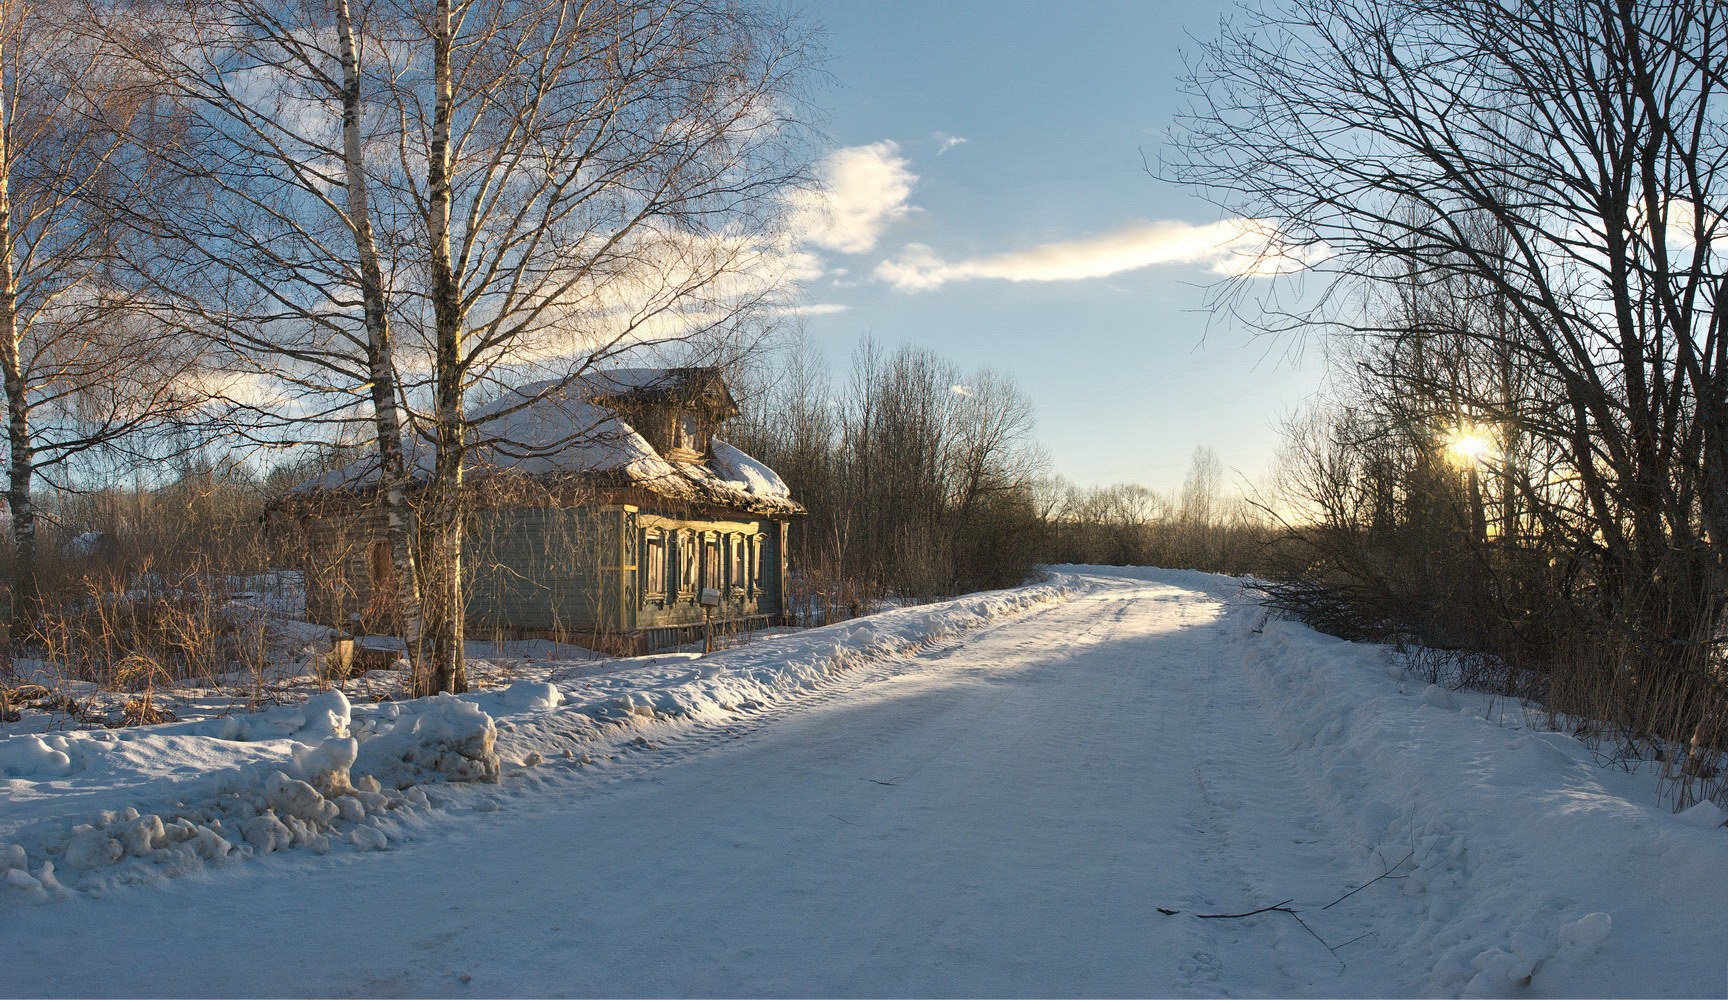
(140, 631)
(140, 672)
(1639, 696)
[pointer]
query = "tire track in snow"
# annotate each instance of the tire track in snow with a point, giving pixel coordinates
(880, 953)
(1259, 840)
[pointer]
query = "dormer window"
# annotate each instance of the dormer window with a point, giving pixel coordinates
(689, 436)
(676, 410)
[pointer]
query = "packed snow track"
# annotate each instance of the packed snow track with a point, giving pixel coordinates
(1008, 814)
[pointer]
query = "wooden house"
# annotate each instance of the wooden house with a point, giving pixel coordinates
(598, 511)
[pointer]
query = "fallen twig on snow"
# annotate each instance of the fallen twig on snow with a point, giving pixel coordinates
(1296, 914)
(1283, 907)
(1385, 874)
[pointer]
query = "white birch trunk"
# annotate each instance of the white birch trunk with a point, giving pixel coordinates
(443, 514)
(393, 472)
(26, 599)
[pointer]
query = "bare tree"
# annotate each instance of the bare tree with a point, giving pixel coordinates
(269, 253)
(1563, 160)
(920, 481)
(83, 368)
(380, 345)
(598, 174)
(412, 203)
(1519, 210)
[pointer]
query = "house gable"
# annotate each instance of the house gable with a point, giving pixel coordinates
(678, 411)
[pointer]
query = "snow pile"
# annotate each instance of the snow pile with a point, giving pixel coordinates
(30, 756)
(1520, 859)
(313, 801)
(741, 472)
(295, 777)
(453, 740)
(90, 810)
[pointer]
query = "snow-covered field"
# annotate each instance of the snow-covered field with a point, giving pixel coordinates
(995, 796)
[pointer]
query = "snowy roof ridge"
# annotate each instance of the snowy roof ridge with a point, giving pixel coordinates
(562, 428)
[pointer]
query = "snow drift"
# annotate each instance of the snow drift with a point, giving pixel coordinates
(1518, 854)
(88, 810)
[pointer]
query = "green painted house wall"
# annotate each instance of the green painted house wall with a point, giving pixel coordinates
(576, 573)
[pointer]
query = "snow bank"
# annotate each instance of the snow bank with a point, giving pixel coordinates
(748, 676)
(91, 810)
(307, 781)
(451, 741)
(1522, 862)
(32, 756)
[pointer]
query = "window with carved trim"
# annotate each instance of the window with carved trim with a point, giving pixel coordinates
(711, 566)
(653, 571)
(688, 565)
(735, 558)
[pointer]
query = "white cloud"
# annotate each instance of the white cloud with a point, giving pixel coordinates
(1233, 246)
(945, 142)
(861, 189)
(813, 309)
(1682, 223)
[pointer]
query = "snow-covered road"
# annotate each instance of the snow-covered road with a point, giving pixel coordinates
(1003, 815)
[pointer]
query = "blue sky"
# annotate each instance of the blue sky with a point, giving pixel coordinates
(1055, 102)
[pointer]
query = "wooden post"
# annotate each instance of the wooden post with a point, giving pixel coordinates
(338, 663)
(710, 599)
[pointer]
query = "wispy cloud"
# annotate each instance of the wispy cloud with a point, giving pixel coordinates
(1233, 246)
(945, 142)
(860, 190)
(812, 309)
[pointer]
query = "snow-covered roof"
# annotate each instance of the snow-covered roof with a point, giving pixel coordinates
(696, 385)
(625, 379)
(558, 429)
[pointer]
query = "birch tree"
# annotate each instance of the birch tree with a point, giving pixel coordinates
(82, 368)
(599, 175)
(380, 345)
(270, 254)
(469, 195)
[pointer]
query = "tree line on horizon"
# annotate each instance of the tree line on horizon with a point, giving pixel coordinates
(925, 481)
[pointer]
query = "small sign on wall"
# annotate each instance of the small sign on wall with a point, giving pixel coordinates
(710, 598)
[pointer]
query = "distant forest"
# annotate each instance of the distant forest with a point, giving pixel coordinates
(924, 481)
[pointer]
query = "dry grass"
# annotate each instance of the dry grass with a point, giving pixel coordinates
(135, 632)
(1639, 702)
